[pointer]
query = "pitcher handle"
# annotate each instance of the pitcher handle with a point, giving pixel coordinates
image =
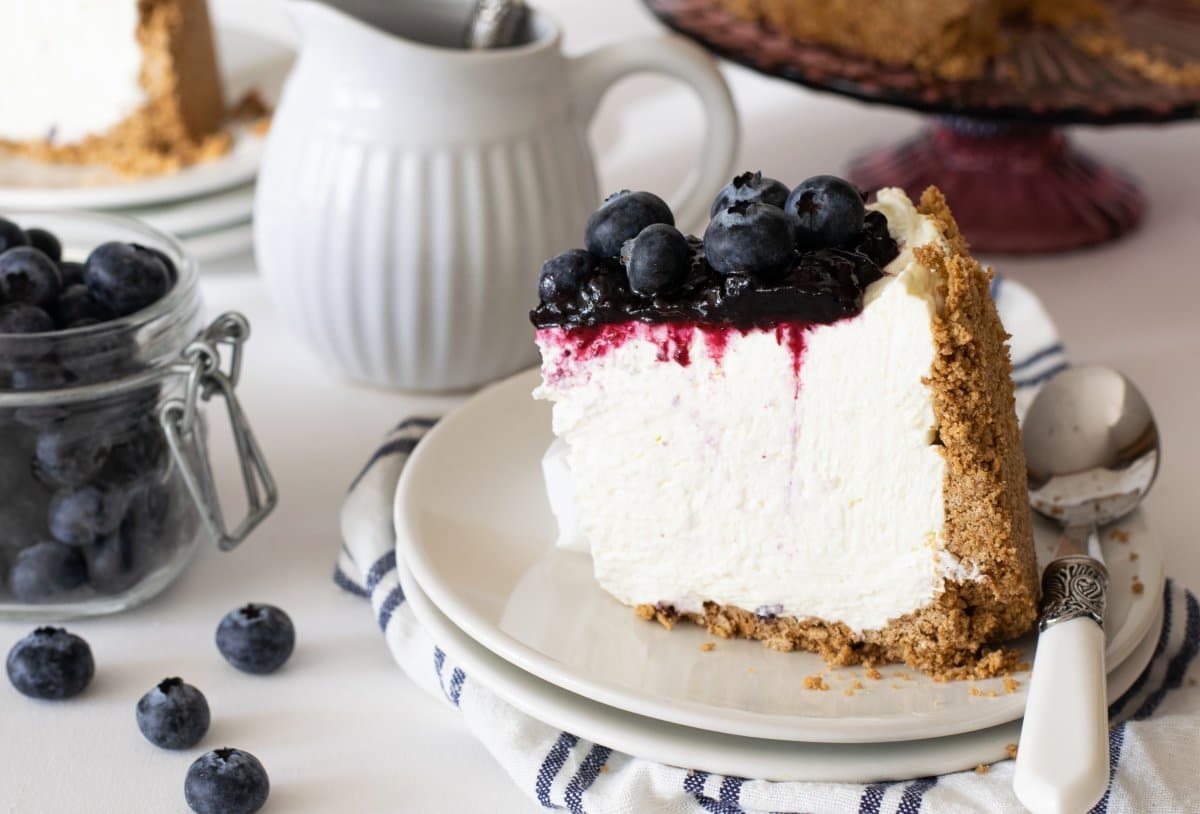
(595, 72)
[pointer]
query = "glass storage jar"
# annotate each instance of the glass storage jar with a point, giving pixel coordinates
(105, 487)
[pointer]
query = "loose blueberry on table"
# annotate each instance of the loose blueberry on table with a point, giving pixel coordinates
(84, 508)
(768, 256)
(50, 664)
(256, 638)
(173, 715)
(226, 781)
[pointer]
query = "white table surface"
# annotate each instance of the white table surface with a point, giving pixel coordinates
(340, 728)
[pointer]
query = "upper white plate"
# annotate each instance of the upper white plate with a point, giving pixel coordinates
(474, 526)
(727, 754)
(248, 62)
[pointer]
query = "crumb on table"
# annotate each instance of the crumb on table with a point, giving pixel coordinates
(975, 692)
(1133, 556)
(816, 682)
(1120, 535)
(848, 692)
(874, 674)
(1011, 684)
(982, 768)
(708, 647)
(858, 685)
(1137, 586)
(1011, 750)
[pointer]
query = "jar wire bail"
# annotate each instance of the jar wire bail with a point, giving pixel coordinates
(185, 433)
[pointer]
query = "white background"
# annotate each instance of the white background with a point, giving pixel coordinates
(340, 729)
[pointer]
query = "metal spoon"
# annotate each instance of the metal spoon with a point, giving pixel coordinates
(1092, 450)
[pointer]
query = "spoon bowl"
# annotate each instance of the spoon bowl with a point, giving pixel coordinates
(1091, 447)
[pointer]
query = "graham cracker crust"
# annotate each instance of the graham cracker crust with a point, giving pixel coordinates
(181, 122)
(950, 39)
(987, 518)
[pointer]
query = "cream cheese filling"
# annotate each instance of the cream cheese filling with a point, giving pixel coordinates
(71, 68)
(732, 480)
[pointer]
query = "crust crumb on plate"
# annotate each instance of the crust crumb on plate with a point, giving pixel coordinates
(816, 682)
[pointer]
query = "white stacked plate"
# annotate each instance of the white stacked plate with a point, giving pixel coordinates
(475, 537)
(207, 206)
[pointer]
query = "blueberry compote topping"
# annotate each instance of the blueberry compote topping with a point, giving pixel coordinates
(745, 273)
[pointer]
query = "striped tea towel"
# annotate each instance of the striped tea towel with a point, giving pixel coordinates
(1154, 742)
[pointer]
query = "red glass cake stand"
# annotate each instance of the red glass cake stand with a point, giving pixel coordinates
(1014, 181)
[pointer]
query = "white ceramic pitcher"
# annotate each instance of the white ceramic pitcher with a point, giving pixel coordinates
(410, 193)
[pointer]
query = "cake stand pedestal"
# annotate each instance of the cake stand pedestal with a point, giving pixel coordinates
(1013, 180)
(1014, 188)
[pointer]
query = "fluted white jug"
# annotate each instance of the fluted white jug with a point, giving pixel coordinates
(410, 193)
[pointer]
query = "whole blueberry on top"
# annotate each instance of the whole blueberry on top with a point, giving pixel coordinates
(45, 242)
(750, 186)
(749, 237)
(825, 211)
(256, 638)
(226, 781)
(125, 277)
(563, 274)
(51, 664)
(658, 260)
(77, 307)
(173, 715)
(45, 571)
(23, 318)
(11, 235)
(622, 216)
(27, 275)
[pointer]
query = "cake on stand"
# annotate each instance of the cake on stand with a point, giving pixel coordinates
(996, 147)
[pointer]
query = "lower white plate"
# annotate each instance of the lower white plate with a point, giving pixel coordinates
(474, 526)
(220, 244)
(728, 754)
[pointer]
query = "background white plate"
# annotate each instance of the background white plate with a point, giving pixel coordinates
(728, 754)
(219, 244)
(248, 62)
(474, 526)
(194, 216)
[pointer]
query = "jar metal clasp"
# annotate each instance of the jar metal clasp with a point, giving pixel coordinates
(201, 363)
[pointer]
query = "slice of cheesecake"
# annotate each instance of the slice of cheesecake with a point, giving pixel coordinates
(814, 447)
(129, 83)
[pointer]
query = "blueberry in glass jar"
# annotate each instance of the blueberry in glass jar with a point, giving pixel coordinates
(126, 277)
(27, 275)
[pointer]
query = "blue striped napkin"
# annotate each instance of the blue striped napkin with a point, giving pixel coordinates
(1154, 740)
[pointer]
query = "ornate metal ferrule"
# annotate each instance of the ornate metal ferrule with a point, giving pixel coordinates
(1072, 587)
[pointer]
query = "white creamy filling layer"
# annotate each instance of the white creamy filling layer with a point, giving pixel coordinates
(70, 68)
(726, 480)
